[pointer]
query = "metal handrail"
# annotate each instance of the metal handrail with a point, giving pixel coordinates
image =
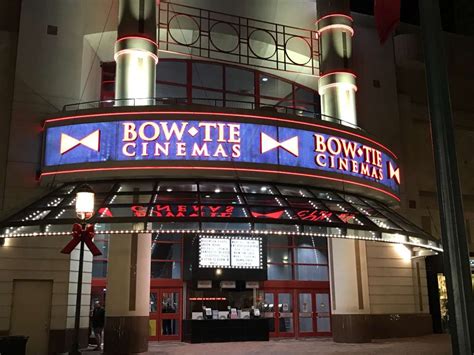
(183, 101)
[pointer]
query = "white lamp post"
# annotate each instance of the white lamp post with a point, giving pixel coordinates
(84, 211)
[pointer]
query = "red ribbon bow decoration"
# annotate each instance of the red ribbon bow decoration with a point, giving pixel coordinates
(87, 234)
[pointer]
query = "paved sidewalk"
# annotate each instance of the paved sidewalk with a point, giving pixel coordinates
(436, 344)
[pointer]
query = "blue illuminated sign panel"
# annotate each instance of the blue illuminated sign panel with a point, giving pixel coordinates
(219, 141)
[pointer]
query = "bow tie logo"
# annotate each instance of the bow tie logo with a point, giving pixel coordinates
(394, 173)
(267, 143)
(274, 215)
(91, 141)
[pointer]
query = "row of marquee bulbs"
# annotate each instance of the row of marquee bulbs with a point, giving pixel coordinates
(414, 241)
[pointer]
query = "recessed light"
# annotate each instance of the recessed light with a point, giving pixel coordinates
(264, 79)
(169, 189)
(217, 190)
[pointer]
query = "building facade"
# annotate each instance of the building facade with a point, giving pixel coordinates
(266, 168)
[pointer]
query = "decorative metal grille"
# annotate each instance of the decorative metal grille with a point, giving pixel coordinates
(234, 39)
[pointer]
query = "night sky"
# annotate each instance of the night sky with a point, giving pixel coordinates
(456, 15)
(409, 9)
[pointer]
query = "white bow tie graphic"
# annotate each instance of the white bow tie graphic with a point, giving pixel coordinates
(91, 141)
(267, 143)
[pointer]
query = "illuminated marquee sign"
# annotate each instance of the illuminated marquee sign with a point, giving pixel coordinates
(230, 252)
(176, 211)
(223, 211)
(214, 141)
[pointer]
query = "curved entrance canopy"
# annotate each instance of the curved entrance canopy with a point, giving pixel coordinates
(170, 206)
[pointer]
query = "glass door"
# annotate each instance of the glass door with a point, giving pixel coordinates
(165, 314)
(306, 314)
(323, 314)
(278, 308)
(268, 311)
(285, 314)
(153, 320)
(314, 313)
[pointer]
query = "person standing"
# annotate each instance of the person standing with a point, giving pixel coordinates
(98, 321)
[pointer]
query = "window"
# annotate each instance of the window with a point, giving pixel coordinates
(221, 85)
(174, 198)
(129, 198)
(207, 75)
(239, 81)
(264, 200)
(177, 186)
(165, 251)
(240, 101)
(137, 186)
(282, 255)
(167, 91)
(165, 270)
(171, 71)
(294, 191)
(220, 198)
(258, 189)
(217, 187)
(99, 263)
(275, 88)
(207, 97)
(297, 258)
(166, 256)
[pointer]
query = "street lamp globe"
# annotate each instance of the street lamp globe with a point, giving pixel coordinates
(84, 202)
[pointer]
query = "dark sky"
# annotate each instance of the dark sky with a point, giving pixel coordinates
(409, 9)
(456, 15)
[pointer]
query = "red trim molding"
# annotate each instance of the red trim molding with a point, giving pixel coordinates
(209, 168)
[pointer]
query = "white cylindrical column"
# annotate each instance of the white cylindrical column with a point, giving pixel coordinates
(337, 84)
(337, 88)
(135, 76)
(337, 91)
(128, 294)
(349, 291)
(136, 53)
(129, 260)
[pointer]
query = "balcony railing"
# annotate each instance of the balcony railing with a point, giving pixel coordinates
(234, 39)
(206, 102)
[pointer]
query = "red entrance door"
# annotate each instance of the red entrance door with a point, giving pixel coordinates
(165, 314)
(278, 307)
(314, 317)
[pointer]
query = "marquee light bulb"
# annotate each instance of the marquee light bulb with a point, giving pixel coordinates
(403, 251)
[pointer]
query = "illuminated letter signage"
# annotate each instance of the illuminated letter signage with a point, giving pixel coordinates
(341, 155)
